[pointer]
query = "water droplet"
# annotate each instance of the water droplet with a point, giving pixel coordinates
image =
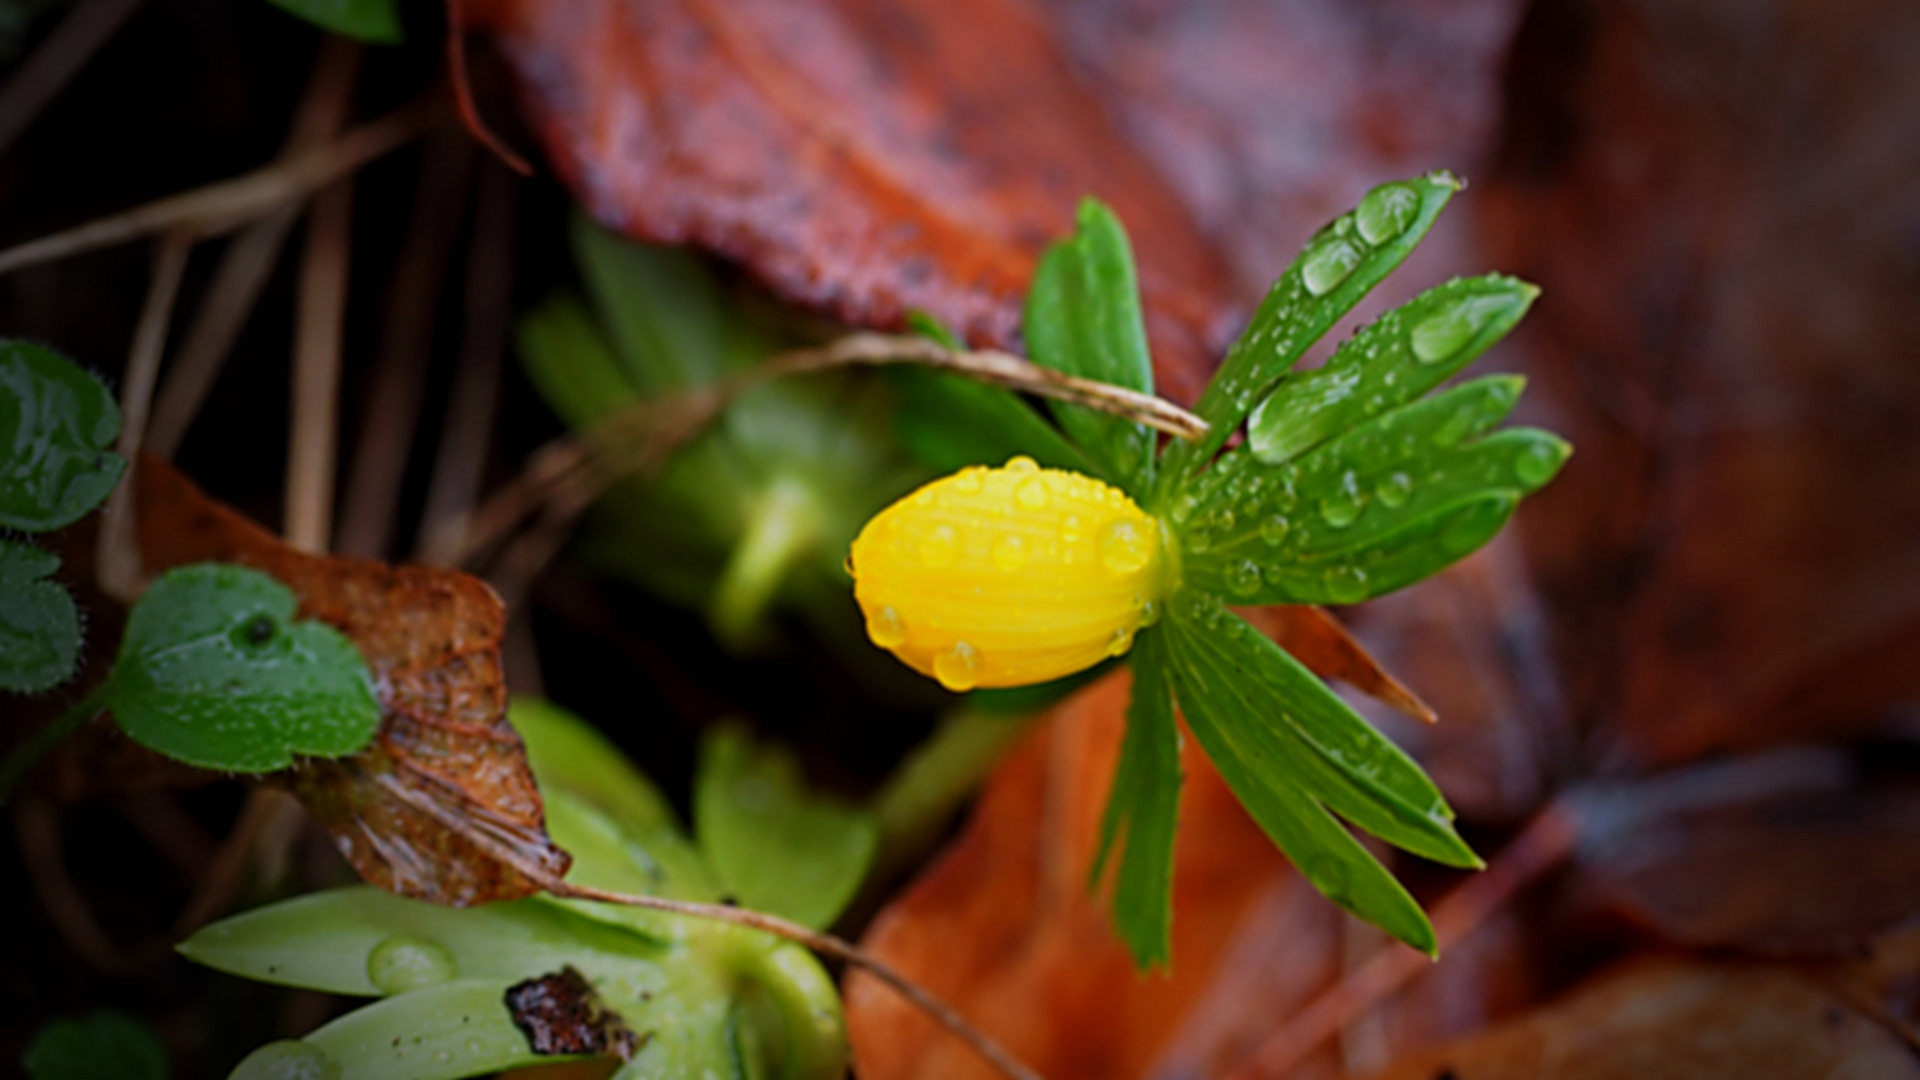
(968, 482)
(1347, 584)
(958, 669)
(1183, 508)
(1456, 427)
(1327, 265)
(1342, 507)
(1070, 533)
(1032, 494)
(1021, 463)
(940, 546)
(288, 1059)
(1199, 540)
(1125, 548)
(1394, 489)
(924, 497)
(1010, 552)
(403, 962)
(1120, 642)
(886, 628)
(1149, 613)
(1537, 463)
(1445, 332)
(1243, 578)
(1274, 529)
(1386, 211)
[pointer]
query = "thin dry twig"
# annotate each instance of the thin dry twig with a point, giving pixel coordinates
(641, 436)
(119, 570)
(248, 260)
(224, 206)
(1547, 840)
(828, 945)
(316, 371)
(54, 64)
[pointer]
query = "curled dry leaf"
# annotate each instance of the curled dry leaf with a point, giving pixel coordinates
(1676, 1017)
(445, 784)
(870, 157)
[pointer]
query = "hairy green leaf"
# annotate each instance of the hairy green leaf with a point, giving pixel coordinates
(1340, 265)
(1143, 809)
(1409, 351)
(1083, 317)
(1280, 718)
(377, 21)
(56, 423)
(1379, 507)
(105, 1045)
(1231, 712)
(215, 672)
(776, 845)
(39, 626)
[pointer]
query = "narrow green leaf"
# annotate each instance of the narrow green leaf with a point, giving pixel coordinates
(1379, 507)
(105, 1045)
(1317, 844)
(1409, 351)
(660, 305)
(1083, 317)
(39, 626)
(1340, 265)
(445, 1032)
(570, 362)
(377, 21)
(1281, 719)
(775, 845)
(56, 423)
(948, 422)
(1142, 811)
(215, 672)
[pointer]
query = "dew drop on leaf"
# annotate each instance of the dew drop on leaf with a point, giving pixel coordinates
(1347, 584)
(1244, 578)
(1327, 265)
(288, 1059)
(1536, 464)
(1386, 212)
(1394, 489)
(1274, 529)
(404, 962)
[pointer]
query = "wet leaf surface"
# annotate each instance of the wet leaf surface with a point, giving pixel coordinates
(39, 626)
(56, 424)
(442, 806)
(869, 157)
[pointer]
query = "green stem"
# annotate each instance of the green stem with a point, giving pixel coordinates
(782, 527)
(27, 753)
(927, 789)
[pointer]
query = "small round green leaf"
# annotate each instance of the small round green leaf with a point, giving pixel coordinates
(215, 672)
(56, 422)
(102, 1046)
(39, 627)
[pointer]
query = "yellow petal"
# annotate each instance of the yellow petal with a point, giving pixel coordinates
(1009, 576)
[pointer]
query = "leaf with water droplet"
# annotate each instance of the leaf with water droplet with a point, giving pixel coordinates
(1083, 317)
(1380, 368)
(1142, 811)
(214, 671)
(56, 423)
(777, 845)
(1290, 319)
(39, 626)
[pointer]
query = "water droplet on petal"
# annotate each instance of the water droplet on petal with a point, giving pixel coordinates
(1010, 552)
(1149, 613)
(886, 628)
(1394, 489)
(1243, 578)
(958, 669)
(288, 1059)
(1121, 641)
(1021, 463)
(1386, 211)
(940, 546)
(1125, 548)
(968, 482)
(403, 962)
(1032, 494)
(1327, 265)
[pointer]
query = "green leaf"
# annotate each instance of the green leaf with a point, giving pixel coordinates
(1142, 811)
(104, 1045)
(39, 626)
(443, 1032)
(1377, 508)
(948, 422)
(570, 362)
(776, 845)
(1409, 351)
(1083, 318)
(56, 423)
(1235, 713)
(1342, 262)
(215, 672)
(662, 308)
(1282, 719)
(377, 21)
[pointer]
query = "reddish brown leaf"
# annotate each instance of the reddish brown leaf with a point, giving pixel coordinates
(429, 810)
(870, 157)
(1680, 1018)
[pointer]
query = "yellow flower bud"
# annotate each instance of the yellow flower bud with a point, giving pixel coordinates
(1009, 576)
